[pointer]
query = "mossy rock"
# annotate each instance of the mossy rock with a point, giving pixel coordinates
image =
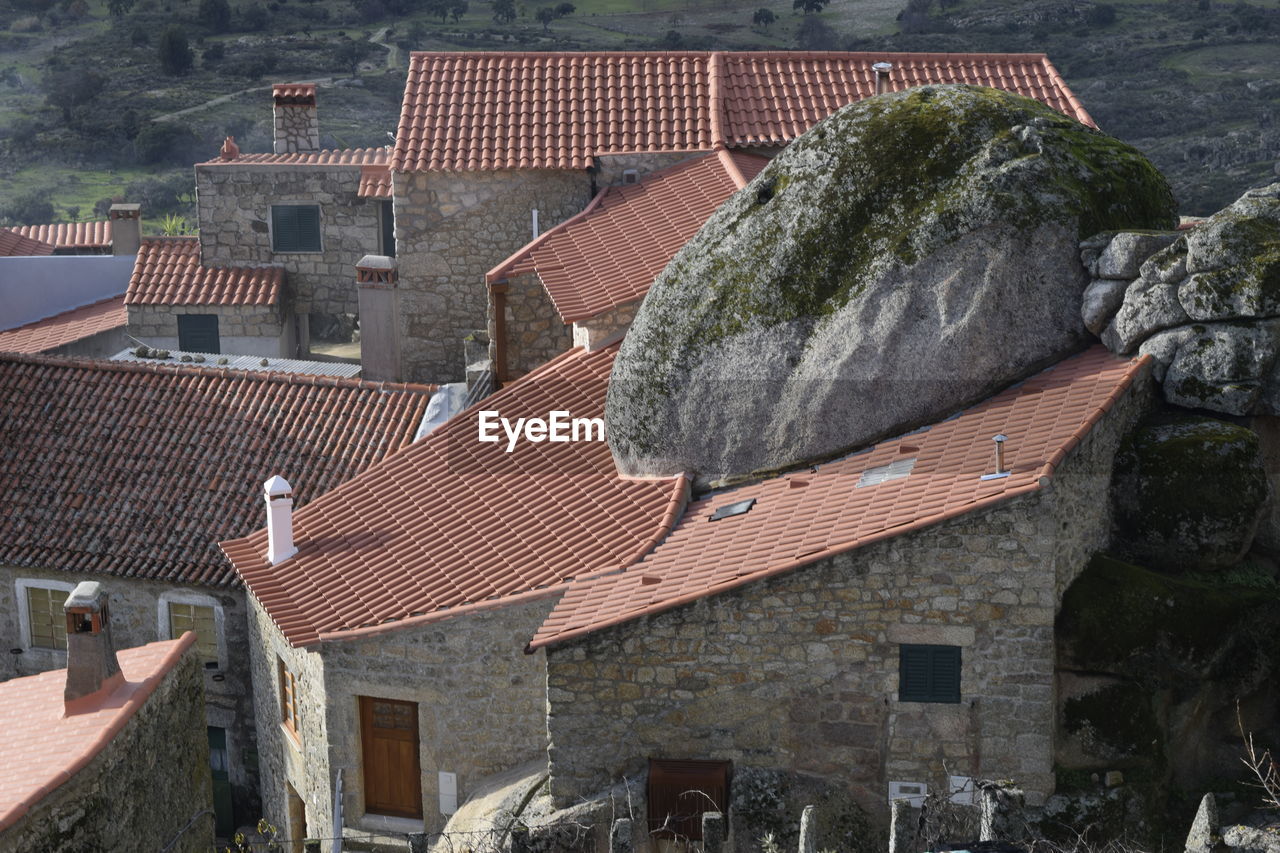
(908, 255)
(1188, 493)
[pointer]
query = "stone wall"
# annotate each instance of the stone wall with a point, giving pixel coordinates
(603, 329)
(800, 672)
(480, 700)
(234, 204)
(451, 229)
(242, 329)
(142, 789)
(297, 128)
(137, 618)
(611, 166)
(535, 334)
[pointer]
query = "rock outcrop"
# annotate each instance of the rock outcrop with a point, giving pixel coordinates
(1188, 493)
(1205, 306)
(910, 254)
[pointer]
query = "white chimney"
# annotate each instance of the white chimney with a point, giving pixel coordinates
(126, 228)
(279, 497)
(91, 654)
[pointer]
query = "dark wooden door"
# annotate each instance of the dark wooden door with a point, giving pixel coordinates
(680, 791)
(392, 776)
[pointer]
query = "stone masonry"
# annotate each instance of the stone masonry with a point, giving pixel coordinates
(480, 699)
(800, 672)
(141, 790)
(234, 203)
(137, 619)
(535, 334)
(452, 228)
(603, 329)
(242, 329)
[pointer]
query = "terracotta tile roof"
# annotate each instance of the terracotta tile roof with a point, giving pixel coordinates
(70, 235)
(294, 93)
(477, 111)
(168, 272)
(375, 182)
(139, 470)
(67, 327)
(327, 157)
(453, 523)
(771, 98)
(810, 515)
(13, 245)
(610, 253)
(42, 747)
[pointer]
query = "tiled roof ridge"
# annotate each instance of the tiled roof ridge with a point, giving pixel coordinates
(1135, 367)
(715, 73)
(731, 166)
(185, 369)
(131, 705)
(1082, 115)
(771, 54)
(338, 158)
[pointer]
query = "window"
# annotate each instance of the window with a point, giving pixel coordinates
(198, 333)
(928, 673)
(295, 227)
(47, 623)
(193, 617)
(288, 699)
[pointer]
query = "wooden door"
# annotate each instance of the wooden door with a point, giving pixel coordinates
(392, 776)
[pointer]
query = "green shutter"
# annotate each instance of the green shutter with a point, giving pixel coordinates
(295, 227)
(928, 673)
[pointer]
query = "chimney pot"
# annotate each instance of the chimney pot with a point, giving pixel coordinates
(297, 127)
(91, 653)
(279, 497)
(882, 70)
(126, 228)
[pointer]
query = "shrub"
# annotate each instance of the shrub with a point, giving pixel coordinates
(216, 15)
(166, 142)
(254, 17)
(175, 51)
(28, 209)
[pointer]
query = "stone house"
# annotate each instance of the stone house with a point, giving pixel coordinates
(109, 753)
(131, 473)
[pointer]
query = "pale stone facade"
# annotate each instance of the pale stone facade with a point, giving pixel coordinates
(242, 329)
(139, 616)
(605, 328)
(800, 672)
(451, 229)
(234, 204)
(141, 790)
(480, 703)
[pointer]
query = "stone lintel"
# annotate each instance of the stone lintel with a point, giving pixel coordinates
(932, 635)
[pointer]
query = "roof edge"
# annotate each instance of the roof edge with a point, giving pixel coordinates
(504, 268)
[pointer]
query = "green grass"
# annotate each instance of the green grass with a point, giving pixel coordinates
(1229, 62)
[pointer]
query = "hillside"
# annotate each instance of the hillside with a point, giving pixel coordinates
(117, 98)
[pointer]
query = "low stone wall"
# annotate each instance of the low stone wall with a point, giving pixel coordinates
(800, 672)
(451, 229)
(137, 619)
(242, 329)
(535, 334)
(140, 792)
(234, 203)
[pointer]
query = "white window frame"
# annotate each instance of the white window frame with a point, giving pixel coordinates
(24, 614)
(271, 223)
(198, 599)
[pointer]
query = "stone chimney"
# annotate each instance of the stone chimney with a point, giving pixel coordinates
(297, 127)
(377, 282)
(126, 228)
(91, 655)
(279, 497)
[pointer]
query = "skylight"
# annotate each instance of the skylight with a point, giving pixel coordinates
(733, 509)
(895, 470)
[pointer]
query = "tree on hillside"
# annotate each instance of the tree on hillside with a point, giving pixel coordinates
(545, 16)
(119, 8)
(69, 89)
(809, 5)
(175, 51)
(351, 52)
(763, 18)
(504, 11)
(813, 34)
(563, 10)
(28, 209)
(457, 8)
(439, 8)
(216, 15)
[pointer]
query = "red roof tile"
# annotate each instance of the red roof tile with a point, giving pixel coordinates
(139, 470)
(13, 245)
(328, 157)
(375, 182)
(303, 94)
(476, 111)
(67, 327)
(70, 235)
(42, 747)
(810, 515)
(610, 253)
(168, 272)
(454, 523)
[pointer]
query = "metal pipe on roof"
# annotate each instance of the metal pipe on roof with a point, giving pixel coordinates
(882, 70)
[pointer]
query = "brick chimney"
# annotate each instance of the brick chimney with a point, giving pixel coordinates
(91, 655)
(297, 127)
(279, 497)
(377, 283)
(126, 228)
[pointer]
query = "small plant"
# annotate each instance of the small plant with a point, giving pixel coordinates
(267, 841)
(173, 225)
(769, 844)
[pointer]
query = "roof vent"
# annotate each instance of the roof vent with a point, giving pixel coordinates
(1000, 471)
(739, 508)
(630, 176)
(279, 496)
(882, 70)
(895, 470)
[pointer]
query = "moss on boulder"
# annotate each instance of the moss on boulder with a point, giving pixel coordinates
(1188, 493)
(911, 253)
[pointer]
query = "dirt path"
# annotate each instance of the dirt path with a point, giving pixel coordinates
(222, 99)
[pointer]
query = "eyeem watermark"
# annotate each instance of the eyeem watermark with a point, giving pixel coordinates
(558, 426)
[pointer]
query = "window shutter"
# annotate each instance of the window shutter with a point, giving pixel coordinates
(928, 673)
(295, 227)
